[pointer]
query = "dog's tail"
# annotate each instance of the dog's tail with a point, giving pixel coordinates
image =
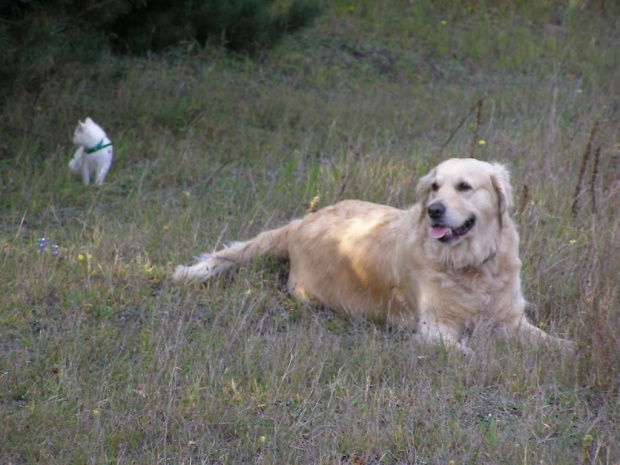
(274, 243)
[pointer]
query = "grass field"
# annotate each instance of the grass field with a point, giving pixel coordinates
(103, 359)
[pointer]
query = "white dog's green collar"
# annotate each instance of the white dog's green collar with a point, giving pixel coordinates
(99, 146)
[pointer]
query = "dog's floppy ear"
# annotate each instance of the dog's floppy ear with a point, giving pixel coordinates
(424, 186)
(501, 183)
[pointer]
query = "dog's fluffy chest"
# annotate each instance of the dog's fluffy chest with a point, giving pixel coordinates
(470, 293)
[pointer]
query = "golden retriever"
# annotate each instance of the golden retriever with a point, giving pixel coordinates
(441, 268)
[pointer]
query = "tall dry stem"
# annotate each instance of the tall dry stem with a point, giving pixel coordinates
(524, 199)
(582, 168)
(456, 129)
(597, 155)
(474, 140)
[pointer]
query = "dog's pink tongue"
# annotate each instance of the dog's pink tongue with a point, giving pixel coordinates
(437, 232)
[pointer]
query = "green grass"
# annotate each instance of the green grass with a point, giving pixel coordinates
(104, 359)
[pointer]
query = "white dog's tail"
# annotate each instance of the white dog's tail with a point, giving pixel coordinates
(274, 242)
(75, 165)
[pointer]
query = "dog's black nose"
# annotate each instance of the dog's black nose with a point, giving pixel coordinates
(436, 210)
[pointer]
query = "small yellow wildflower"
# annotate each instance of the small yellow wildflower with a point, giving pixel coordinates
(262, 438)
(96, 412)
(148, 268)
(481, 142)
(444, 22)
(80, 256)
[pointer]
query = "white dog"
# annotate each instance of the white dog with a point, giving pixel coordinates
(444, 267)
(94, 153)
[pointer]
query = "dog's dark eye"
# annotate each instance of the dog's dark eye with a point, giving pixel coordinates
(434, 186)
(464, 186)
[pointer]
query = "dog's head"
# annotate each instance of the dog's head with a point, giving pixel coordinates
(465, 200)
(88, 134)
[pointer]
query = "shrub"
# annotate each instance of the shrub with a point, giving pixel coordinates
(242, 25)
(37, 37)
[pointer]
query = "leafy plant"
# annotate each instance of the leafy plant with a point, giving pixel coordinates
(37, 38)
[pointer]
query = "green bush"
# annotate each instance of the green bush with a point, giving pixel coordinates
(37, 37)
(242, 25)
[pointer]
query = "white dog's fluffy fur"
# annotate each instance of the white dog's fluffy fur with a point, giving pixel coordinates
(442, 268)
(94, 154)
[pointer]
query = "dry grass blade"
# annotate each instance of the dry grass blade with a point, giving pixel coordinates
(593, 178)
(524, 199)
(477, 106)
(582, 168)
(474, 140)
(351, 160)
(311, 206)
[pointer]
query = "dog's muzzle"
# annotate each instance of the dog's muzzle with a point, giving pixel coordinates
(442, 232)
